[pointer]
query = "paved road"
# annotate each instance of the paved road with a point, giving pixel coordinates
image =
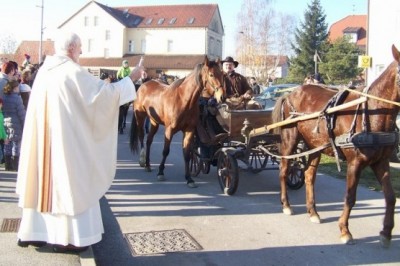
(247, 228)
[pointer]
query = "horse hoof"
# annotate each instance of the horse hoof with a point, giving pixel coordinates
(347, 239)
(142, 164)
(191, 184)
(315, 219)
(147, 169)
(161, 178)
(385, 242)
(288, 211)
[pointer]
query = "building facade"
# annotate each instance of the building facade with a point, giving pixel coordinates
(383, 27)
(166, 35)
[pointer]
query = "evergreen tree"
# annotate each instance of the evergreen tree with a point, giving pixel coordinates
(310, 36)
(340, 63)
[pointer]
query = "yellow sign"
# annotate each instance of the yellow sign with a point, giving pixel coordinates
(364, 61)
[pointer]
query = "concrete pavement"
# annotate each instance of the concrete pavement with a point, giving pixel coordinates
(207, 227)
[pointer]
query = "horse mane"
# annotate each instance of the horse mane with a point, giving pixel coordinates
(176, 83)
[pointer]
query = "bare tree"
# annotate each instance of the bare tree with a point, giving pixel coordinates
(263, 38)
(8, 44)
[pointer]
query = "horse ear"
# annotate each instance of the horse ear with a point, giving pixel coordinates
(206, 61)
(218, 61)
(396, 53)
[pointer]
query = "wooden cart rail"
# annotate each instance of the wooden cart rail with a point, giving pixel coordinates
(232, 120)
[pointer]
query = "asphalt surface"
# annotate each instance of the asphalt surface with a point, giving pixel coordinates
(247, 228)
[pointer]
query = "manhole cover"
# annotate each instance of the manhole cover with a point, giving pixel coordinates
(10, 225)
(154, 242)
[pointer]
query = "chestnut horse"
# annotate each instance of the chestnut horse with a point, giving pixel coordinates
(376, 117)
(176, 107)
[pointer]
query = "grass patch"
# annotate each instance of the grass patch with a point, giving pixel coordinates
(367, 179)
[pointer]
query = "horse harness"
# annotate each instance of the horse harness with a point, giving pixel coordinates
(351, 139)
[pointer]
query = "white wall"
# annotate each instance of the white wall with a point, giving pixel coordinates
(383, 31)
(185, 41)
(97, 33)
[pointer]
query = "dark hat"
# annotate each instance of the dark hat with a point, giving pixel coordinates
(230, 60)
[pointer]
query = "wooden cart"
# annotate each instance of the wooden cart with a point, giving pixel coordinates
(242, 143)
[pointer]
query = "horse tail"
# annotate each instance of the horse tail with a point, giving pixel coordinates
(133, 138)
(277, 113)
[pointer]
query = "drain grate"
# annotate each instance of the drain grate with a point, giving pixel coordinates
(154, 242)
(10, 225)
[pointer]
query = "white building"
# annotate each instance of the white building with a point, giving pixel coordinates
(173, 38)
(383, 31)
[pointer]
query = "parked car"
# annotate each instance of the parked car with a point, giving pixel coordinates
(269, 95)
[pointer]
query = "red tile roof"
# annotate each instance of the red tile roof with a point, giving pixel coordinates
(352, 21)
(170, 16)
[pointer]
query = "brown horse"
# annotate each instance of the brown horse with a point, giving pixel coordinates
(375, 118)
(176, 107)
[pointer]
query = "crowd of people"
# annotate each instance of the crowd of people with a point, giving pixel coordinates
(15, 89)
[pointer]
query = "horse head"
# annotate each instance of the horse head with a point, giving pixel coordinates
(396, 56)
(212, 78)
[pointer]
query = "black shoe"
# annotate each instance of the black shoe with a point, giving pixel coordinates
(121, 131)
(68, 249)
(25, 244)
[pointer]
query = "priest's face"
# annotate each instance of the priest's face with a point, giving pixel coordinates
(76, 51)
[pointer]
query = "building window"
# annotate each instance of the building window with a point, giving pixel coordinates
(170, 47)
(108, 35)
(160, 21)
(86, 21)
(90, 45)
(137, 21)
(131, 46)
(172, 21)
(352, 37)
(148, 21)
(143, 46)
(106, 53)
(96, 21)
(211, 46)
(190, 20)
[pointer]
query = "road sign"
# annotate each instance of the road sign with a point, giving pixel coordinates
(364, 61)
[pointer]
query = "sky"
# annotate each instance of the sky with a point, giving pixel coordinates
(22, 18)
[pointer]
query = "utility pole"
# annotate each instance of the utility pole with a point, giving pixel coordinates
(41, 33)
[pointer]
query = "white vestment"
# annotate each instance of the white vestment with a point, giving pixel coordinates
(79, 112)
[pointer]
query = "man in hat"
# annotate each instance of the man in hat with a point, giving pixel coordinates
(235, 84)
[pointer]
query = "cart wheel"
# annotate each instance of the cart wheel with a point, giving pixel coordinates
(258, 161)
(195, 163)
(228, 174)
(295, 179)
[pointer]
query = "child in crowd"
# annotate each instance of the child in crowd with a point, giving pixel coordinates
(14, 118)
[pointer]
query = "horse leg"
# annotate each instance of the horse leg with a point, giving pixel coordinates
(309, 179)
(353, 176)
(142, 157)
(167, 143)
(149, 141)
(382, 173)
(186, 144)
(289, 143)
